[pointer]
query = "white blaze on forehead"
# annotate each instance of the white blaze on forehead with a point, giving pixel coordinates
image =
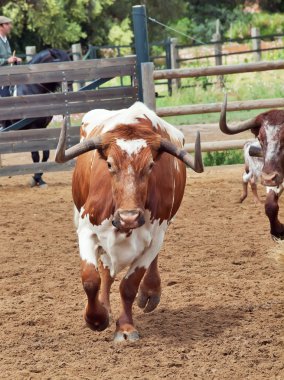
(273, 142)
(131, 146)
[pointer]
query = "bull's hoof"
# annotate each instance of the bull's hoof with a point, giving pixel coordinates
(277, 236)
(148, 301)
(97, 322)
(122, 336)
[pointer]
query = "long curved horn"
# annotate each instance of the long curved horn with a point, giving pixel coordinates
(255, 151)
(195, 163)
(243, 126)
(62, 155)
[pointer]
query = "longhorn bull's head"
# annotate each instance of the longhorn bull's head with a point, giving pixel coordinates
(129, 172)
(270, 133)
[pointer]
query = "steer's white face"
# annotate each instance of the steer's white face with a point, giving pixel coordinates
(271, 138)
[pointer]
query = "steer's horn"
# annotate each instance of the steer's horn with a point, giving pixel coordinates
(62, 155)
(195, 163)
(255, 151)
(243, 126)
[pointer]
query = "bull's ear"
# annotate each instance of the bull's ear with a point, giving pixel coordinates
(255, 151)
(195, 163)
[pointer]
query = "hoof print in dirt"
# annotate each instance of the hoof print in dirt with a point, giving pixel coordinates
(124, 336)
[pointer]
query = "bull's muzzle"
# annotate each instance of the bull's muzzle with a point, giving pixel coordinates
(125, 220)
(271, 179)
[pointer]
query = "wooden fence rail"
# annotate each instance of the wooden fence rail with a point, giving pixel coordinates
(35, 139)
(67, 71)
(26, 141)
(214, 146)
(218, 70)
(66, 103)
(216, 107)
(72, 102)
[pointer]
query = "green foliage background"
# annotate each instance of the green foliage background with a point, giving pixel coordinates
(59, 23)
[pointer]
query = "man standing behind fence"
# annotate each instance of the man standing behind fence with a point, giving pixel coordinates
(6, 56)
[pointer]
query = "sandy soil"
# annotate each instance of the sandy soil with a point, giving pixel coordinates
(221, 313)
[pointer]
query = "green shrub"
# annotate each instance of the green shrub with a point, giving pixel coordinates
(227, 157)
(268, 23)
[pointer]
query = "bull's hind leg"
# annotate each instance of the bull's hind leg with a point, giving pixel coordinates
(246, 178)
(271, 210)
(125, 329)
(245, 192)
(150, 288)
(253, 186)
(96, 313)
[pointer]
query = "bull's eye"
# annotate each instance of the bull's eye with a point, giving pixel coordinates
(109, 165)
(151, 165)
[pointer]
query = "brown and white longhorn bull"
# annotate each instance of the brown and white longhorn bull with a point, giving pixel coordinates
(268, 127)
(128, 184)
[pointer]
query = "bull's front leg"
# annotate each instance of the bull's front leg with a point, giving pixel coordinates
(125, 329)
(150, 289)
(106, 282)
(271, 210)
(96, 312)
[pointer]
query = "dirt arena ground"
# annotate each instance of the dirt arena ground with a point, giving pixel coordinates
(221, 313)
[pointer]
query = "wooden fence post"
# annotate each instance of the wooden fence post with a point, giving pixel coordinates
(76, 52)
(218, 51)
(30, 52)
(77, 56)
(148, 85)
(174, 62)
(256, 43)
(141, 41)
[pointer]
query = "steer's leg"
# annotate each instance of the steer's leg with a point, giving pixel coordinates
(245, 192)
(96, 314)
(150, 288)
(271, 210)
(246, 178)
(253, 186)
(128, 289)
(106, 282)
